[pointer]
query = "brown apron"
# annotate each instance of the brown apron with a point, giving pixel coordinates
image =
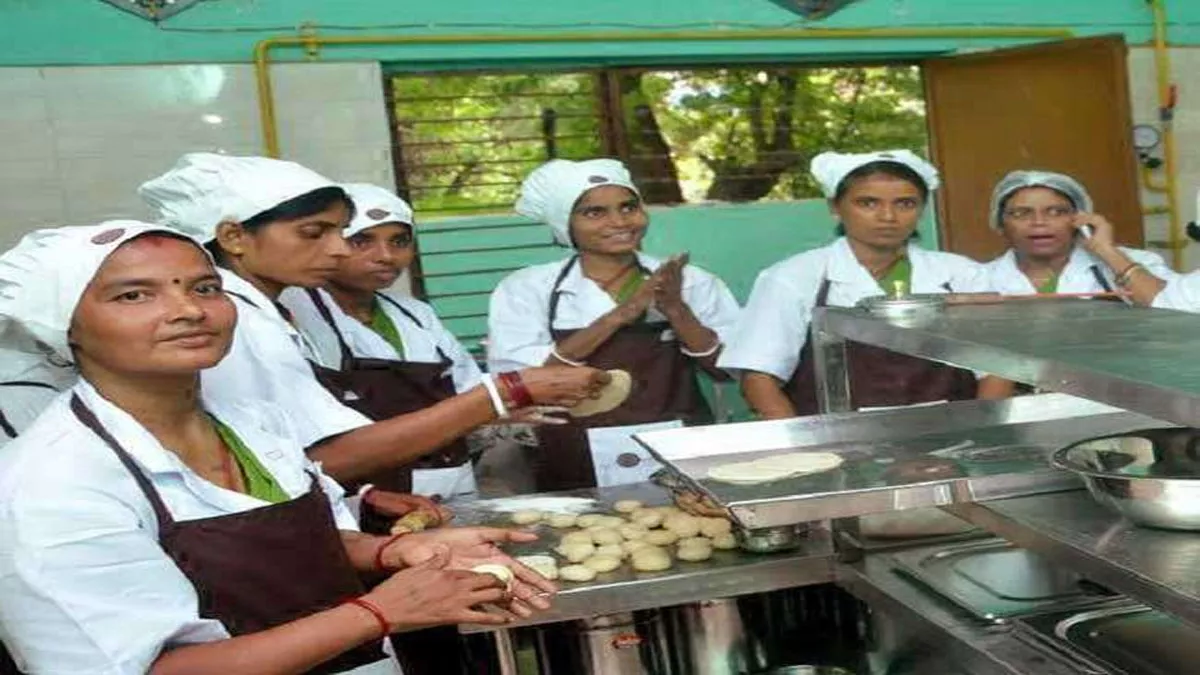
(879, 377)
(384, 388)
(664, 389)
(261, 568)
(7, 428)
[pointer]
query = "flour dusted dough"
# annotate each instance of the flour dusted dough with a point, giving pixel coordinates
(612, 395)
(724, 542)
(544, 565)
(561, 520)
(774, 468)
(499, 571)
(527, 517)
(576, 552)
(651, 560)
(576, 573)
(602, 563)
(627, 506)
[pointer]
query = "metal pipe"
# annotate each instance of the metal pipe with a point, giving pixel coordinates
(1166, 113)
(262, 49)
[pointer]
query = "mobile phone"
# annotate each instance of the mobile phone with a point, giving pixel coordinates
(1086, 231)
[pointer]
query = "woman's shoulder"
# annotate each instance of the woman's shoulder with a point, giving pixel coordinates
(533, 278)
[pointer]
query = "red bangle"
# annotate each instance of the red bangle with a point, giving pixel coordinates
(384, 628)
(379, 552)
(516, 389)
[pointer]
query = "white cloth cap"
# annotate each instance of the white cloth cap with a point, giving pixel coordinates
(205, 189)
(831, 168)
(549, 193)
(43, 278)
(1019, 180)
(374, 206)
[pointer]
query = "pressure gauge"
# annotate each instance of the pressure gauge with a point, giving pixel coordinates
(1145, 137)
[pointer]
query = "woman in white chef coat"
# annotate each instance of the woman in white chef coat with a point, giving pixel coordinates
(607, 306)
(1039, 214)
(147, 527)
(273, 224)
(394, 346)
(27, 386)
(878, 197)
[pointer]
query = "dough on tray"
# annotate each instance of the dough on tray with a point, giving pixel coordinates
(775, 467)
(576, 573)
(602, 563)
(526, 517)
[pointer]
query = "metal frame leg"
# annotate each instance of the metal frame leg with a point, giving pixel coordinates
(506, 653)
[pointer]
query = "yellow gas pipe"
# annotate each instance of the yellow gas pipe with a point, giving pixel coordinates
(312, 43)
(1170, 186)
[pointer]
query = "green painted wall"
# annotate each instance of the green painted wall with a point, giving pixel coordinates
(44, 32)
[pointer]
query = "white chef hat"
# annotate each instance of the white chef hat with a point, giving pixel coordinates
(375, 206)
(43, 278)
(1019, 180)
(551, 191)
(204, 189)
(831, 168)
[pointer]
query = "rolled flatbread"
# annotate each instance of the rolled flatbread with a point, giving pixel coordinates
(775, 467)
(612, 395)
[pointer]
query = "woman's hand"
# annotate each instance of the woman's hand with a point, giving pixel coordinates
(1102, 239)
(636, 306)
(433, 593)
(563, 386)
(467, 547)
(668, 289)
(398, 504)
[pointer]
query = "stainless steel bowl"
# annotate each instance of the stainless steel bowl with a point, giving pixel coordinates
(1151, 477)
(908, 310)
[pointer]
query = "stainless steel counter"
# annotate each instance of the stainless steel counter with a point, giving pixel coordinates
(1105, 351)
(1158, 567)
(894, 459)
(727, 574)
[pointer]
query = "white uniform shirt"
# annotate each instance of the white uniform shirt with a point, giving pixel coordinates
(518, 317)
(84, 585)
(1077, 277)
(1182, 293)
(775, 322)
(421, 342)
(20, 405)
(267, 362)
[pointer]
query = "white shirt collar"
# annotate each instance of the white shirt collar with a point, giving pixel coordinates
(132, 436)
(843, 267)
(575, 283)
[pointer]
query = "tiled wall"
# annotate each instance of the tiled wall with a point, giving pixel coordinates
(76, 142)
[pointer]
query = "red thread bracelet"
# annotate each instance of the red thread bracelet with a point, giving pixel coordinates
(384, 627)
(383, 547)
(516, 388)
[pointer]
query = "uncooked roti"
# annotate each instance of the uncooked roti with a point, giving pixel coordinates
(776, 467)
(612, 395)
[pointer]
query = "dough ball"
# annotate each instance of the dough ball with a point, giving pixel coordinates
(576, 552)
(683, 525)
(603, 563)
(647, 518)
(627, 506)
(725, 542)
(576, 573)
(501, 572)
(668, 511)
(711, 527)
(561, 520)
(695, 541)
(660, 537)
(604, 535)
(633, 545)
(611, 550)
(633, 531)
(589, 519)
(651, 560)
(611, 522)
(544, 565)
(694, 553)
(526, 517)
(576, 537)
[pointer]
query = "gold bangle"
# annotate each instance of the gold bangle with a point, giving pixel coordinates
(1124, 277)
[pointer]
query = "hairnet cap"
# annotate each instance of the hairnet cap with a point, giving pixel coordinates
(205, 189)
(1019, 180)
(374, 206)
(43, 277)
(831, 168)
(549, 193)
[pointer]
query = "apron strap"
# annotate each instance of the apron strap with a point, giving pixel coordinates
(555, 293)
(1099, 276)
(323, 310)
(823, 293)
(88, 419)
(8, 429)
(243, 298)
(413, 318)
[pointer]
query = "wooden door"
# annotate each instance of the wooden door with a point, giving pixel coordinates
(1060, 106)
